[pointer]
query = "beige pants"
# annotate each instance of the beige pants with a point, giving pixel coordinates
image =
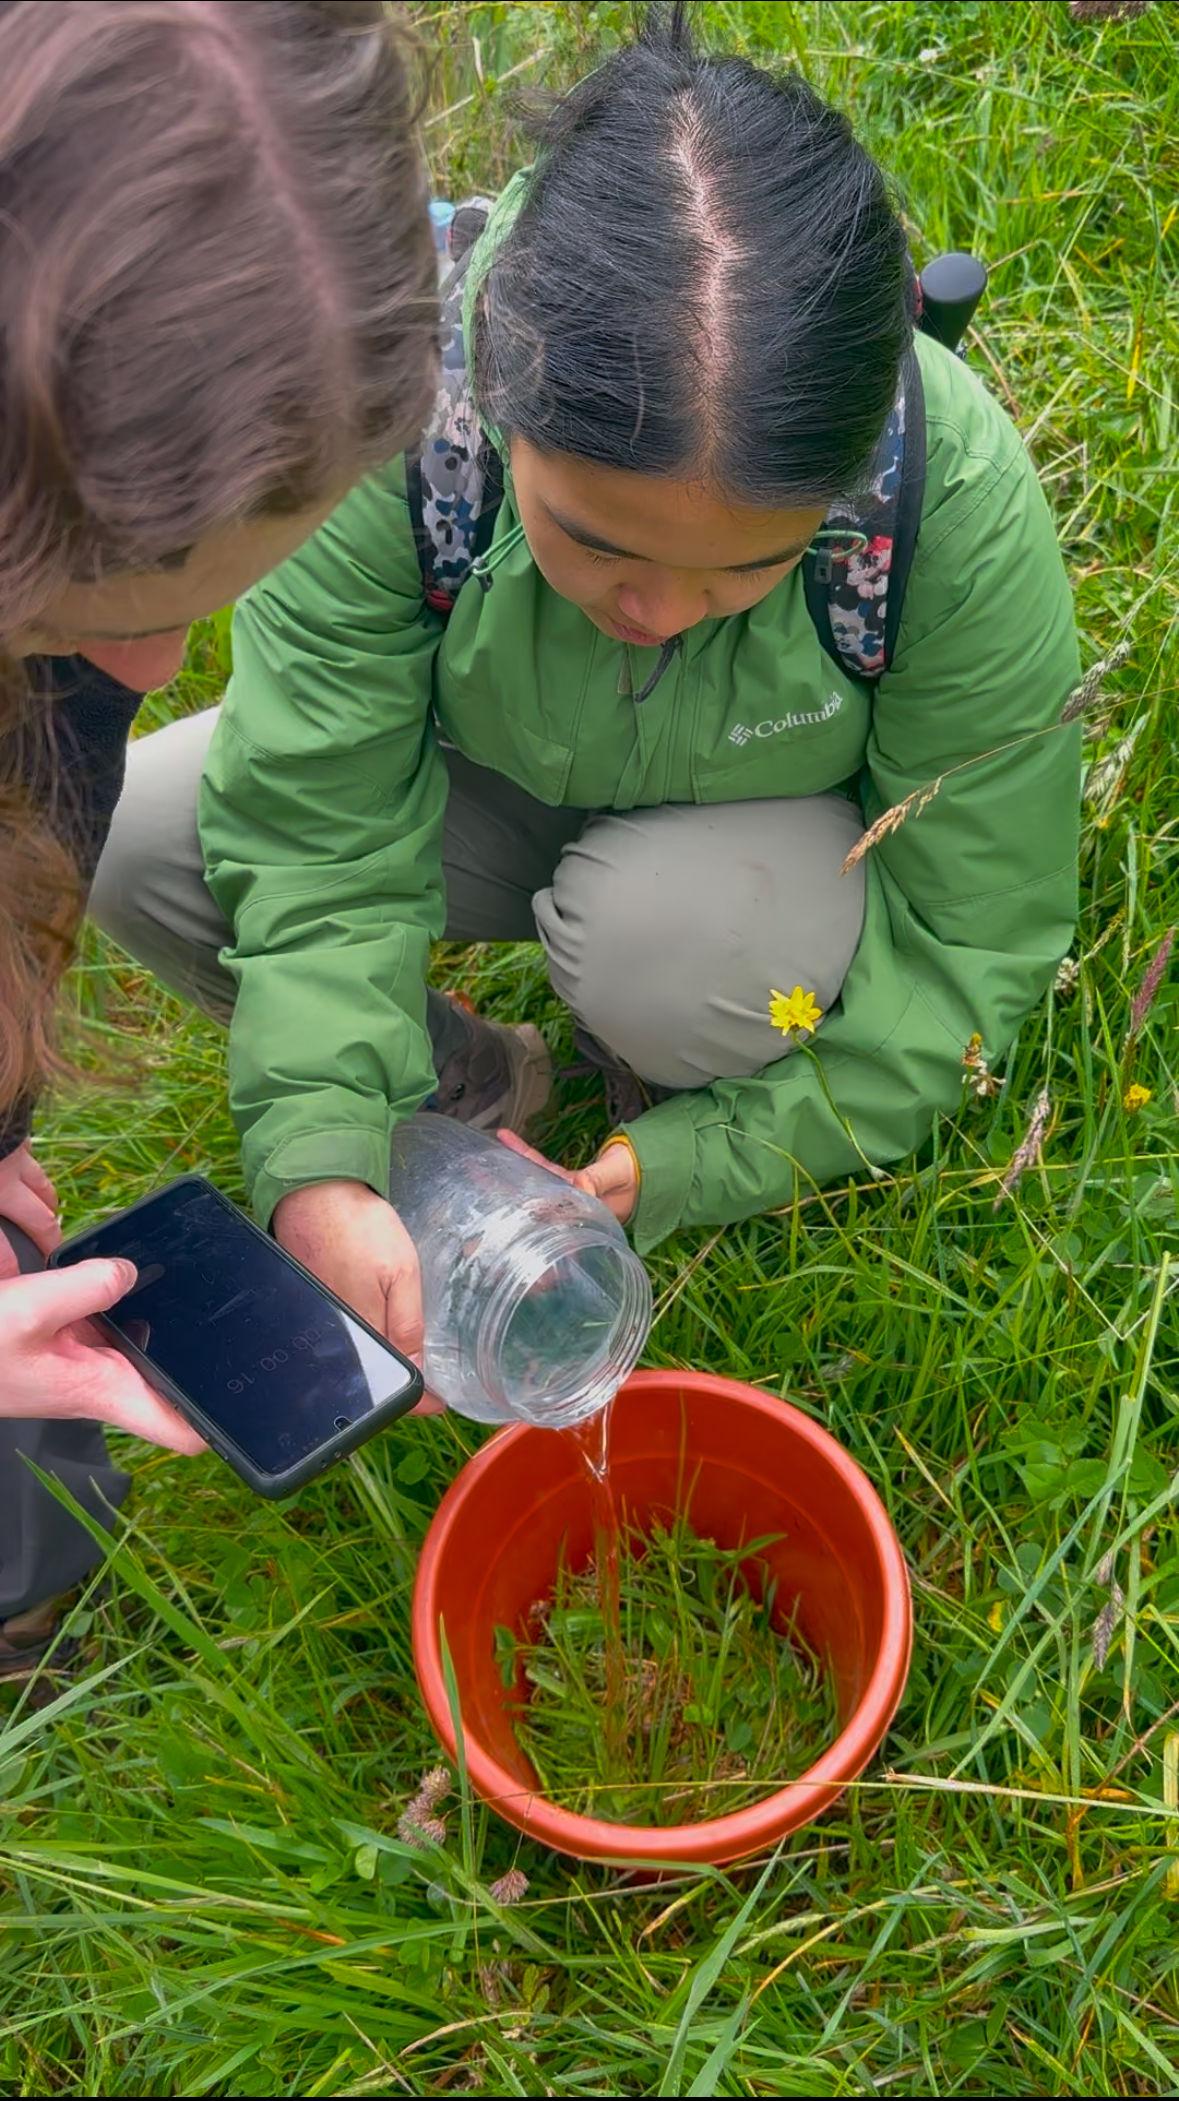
(665, 929)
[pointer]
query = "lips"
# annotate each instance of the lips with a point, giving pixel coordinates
(637, 635)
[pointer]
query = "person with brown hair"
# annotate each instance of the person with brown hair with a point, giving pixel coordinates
(218, 295)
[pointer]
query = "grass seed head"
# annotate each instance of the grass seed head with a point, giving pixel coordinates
(1067, 977)
(416, 1826)
(1028, 1151)
(1155, 970)
(1089, 692)
(1105, 10)
(891, 821)
(436, 1785)
(510, 1886)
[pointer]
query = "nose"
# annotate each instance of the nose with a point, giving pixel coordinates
(664, 603)
(142, 665)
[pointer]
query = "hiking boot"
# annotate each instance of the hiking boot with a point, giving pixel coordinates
(498, 1079)
(627, 1096)
(26, 1639)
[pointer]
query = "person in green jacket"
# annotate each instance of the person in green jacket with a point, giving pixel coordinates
(685, 327)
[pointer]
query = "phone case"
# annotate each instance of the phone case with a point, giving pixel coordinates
(272, 1486)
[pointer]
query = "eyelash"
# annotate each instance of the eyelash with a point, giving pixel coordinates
(609, 561)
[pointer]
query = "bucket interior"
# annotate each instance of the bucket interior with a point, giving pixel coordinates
(736, 1473)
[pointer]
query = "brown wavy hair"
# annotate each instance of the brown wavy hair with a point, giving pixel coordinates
(217, 303)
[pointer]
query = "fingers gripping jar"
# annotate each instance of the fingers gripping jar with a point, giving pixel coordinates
(535, 1307)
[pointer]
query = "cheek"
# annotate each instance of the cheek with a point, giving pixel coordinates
(565, 571)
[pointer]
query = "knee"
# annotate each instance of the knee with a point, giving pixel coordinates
(149, 889)
(118, 887)
(667, 930)
(153, 826)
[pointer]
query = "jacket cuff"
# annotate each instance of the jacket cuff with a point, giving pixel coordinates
(664, 1144)
(342, 1154)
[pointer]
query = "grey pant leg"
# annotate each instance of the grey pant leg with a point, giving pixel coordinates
(43, 1550)
(668, 929)
(150, 895)
(149, 892)
(500, 846)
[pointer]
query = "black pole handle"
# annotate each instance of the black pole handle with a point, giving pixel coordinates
(951, 287)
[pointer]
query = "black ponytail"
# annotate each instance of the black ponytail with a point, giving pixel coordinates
(708, 279)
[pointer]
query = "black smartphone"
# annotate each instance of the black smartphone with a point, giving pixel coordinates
(277, 1374)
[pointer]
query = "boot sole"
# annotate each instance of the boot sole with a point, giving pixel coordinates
(17, 1665)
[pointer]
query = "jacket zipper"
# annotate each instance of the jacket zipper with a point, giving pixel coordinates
(673, 645)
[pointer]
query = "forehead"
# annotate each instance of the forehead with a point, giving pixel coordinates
(659, 519)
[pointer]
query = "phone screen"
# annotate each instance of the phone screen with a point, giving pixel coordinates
(218, 1308)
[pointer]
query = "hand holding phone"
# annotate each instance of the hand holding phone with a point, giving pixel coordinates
(57, 1364)
(274, 1371)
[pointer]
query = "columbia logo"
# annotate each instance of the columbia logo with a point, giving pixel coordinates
(742, 734)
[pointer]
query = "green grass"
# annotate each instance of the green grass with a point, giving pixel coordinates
(203, 1889)
(662, 1689)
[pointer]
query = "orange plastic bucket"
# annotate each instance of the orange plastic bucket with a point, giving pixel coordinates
(739, 1465)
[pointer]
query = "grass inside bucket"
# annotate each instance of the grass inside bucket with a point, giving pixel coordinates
(708, 1705)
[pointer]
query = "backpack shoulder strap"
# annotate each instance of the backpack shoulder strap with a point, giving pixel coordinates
(453, 477)
(855, 579)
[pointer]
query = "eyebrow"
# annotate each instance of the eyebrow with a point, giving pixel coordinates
(584, 538)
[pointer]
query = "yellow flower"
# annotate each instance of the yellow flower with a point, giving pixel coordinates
(791, 1011)
(1135, 1097)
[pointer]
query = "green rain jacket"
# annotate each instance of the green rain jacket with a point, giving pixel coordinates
(323, 805)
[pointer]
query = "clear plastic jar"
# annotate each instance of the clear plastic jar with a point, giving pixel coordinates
(535, 1307)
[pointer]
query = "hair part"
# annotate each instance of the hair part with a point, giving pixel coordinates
(707, 280)
(218, 302)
